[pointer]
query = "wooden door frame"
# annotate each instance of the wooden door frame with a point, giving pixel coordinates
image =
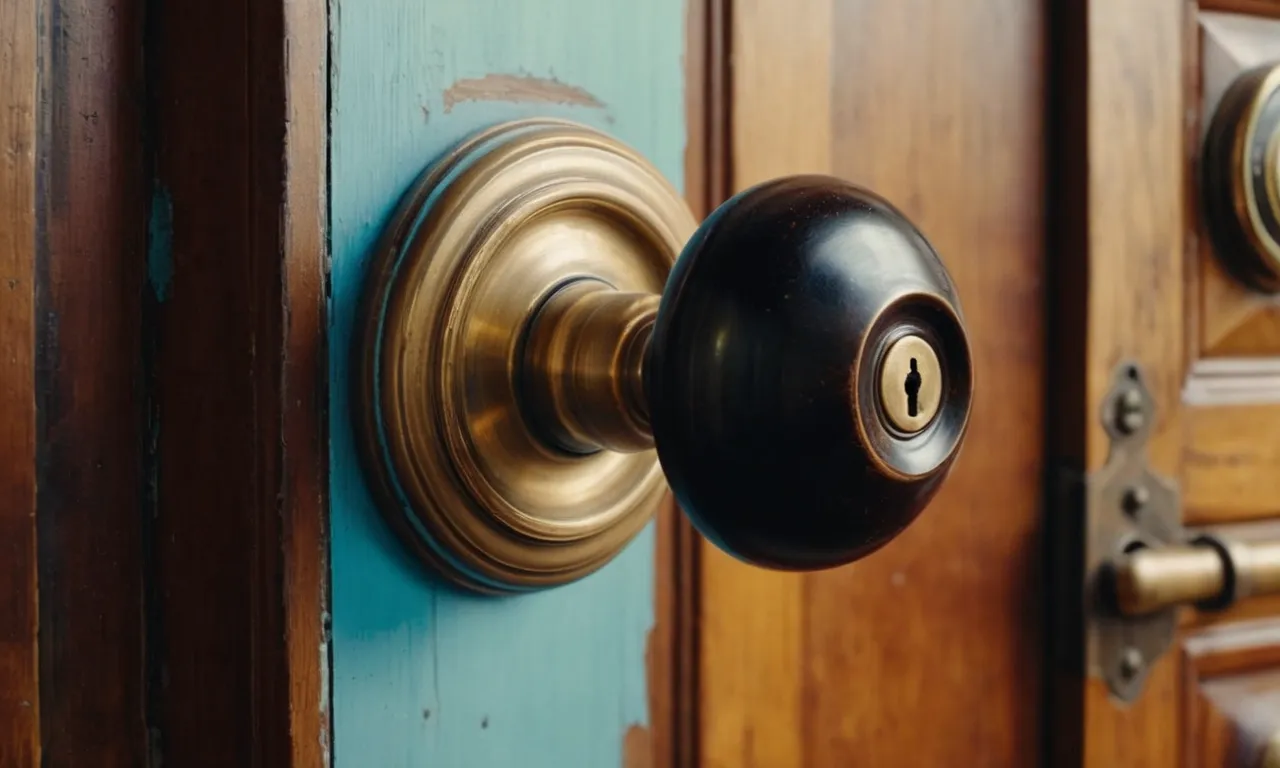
(163, 380)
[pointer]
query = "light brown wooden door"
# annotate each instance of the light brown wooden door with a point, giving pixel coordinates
(928, 653)
(1138, 276)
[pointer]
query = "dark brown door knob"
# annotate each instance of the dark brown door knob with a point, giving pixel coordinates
(773, 387)
(530, 337)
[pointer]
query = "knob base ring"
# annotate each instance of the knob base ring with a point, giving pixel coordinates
(477, 245)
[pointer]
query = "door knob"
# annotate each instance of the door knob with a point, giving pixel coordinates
(529, 338)
(1241, 178)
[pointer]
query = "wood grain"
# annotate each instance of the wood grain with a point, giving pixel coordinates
(89, 377)
(844, 668)
(19, 605)
(239, 356)
(1228, 472)
(1118, 289)
(953, 135)
(751, 643)
(1254, 7)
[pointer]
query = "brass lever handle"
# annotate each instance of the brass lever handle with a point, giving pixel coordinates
(1210, 572)
(533, 348)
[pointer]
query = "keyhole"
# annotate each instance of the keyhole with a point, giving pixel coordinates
(912, 385)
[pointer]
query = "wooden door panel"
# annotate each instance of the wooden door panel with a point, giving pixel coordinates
(937, 106)
(1231, 681)
(1140, 81)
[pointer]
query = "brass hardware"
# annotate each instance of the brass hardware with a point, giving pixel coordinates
(525, 350)
(1126, 506)
(487, 237)
(1210, 573)
(1140, 564)
(910, 384)
(1150, 580)
(1241, 178)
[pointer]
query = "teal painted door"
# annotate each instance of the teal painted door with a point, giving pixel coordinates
(423, 675)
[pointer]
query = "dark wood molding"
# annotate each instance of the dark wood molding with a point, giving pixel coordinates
(91, 270)
(19, 608)
(674, 659)
(239, 369)
(1251, 7)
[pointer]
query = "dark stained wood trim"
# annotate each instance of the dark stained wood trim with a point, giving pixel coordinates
(1252, 7)
(1118, 199)
(674, 661)
(239, 98)
(91, 257)
(19, 607)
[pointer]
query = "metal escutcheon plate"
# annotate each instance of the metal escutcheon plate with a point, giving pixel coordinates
(478, 243)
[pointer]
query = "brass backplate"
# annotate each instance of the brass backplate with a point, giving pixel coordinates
(480, 241)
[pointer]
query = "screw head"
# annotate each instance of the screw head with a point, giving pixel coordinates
(1136, 498)
(1129, 413)
(1131, 662)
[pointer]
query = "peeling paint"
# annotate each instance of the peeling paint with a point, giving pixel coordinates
(160, 242)
(637, 748)
(518, 88)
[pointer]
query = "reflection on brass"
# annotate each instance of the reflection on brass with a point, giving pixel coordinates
(1241, 178)
(584, 363)
(1211, 571)
(910, 384)
(522, 268)
(1151, 580)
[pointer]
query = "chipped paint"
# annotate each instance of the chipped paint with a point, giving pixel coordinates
(637, 748)
(518, 89)
(417, 667)
(160, 242)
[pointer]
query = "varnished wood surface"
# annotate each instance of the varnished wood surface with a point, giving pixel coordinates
(885, 662)
(19, 607)
(1128, 100)
(238, 339)
(91, 391)
(1118, 101)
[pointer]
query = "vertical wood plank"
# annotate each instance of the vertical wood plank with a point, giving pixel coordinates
(944, 622)
(19, 607)
(423, 675)
(752, 642)
(1121, 117)
(90, 371)
(885, 662)
(237, 335)
(302, 58)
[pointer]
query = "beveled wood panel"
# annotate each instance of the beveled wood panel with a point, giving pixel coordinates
(1230, 463)
(1234, 321)
(1232, 712)
(848, 667)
